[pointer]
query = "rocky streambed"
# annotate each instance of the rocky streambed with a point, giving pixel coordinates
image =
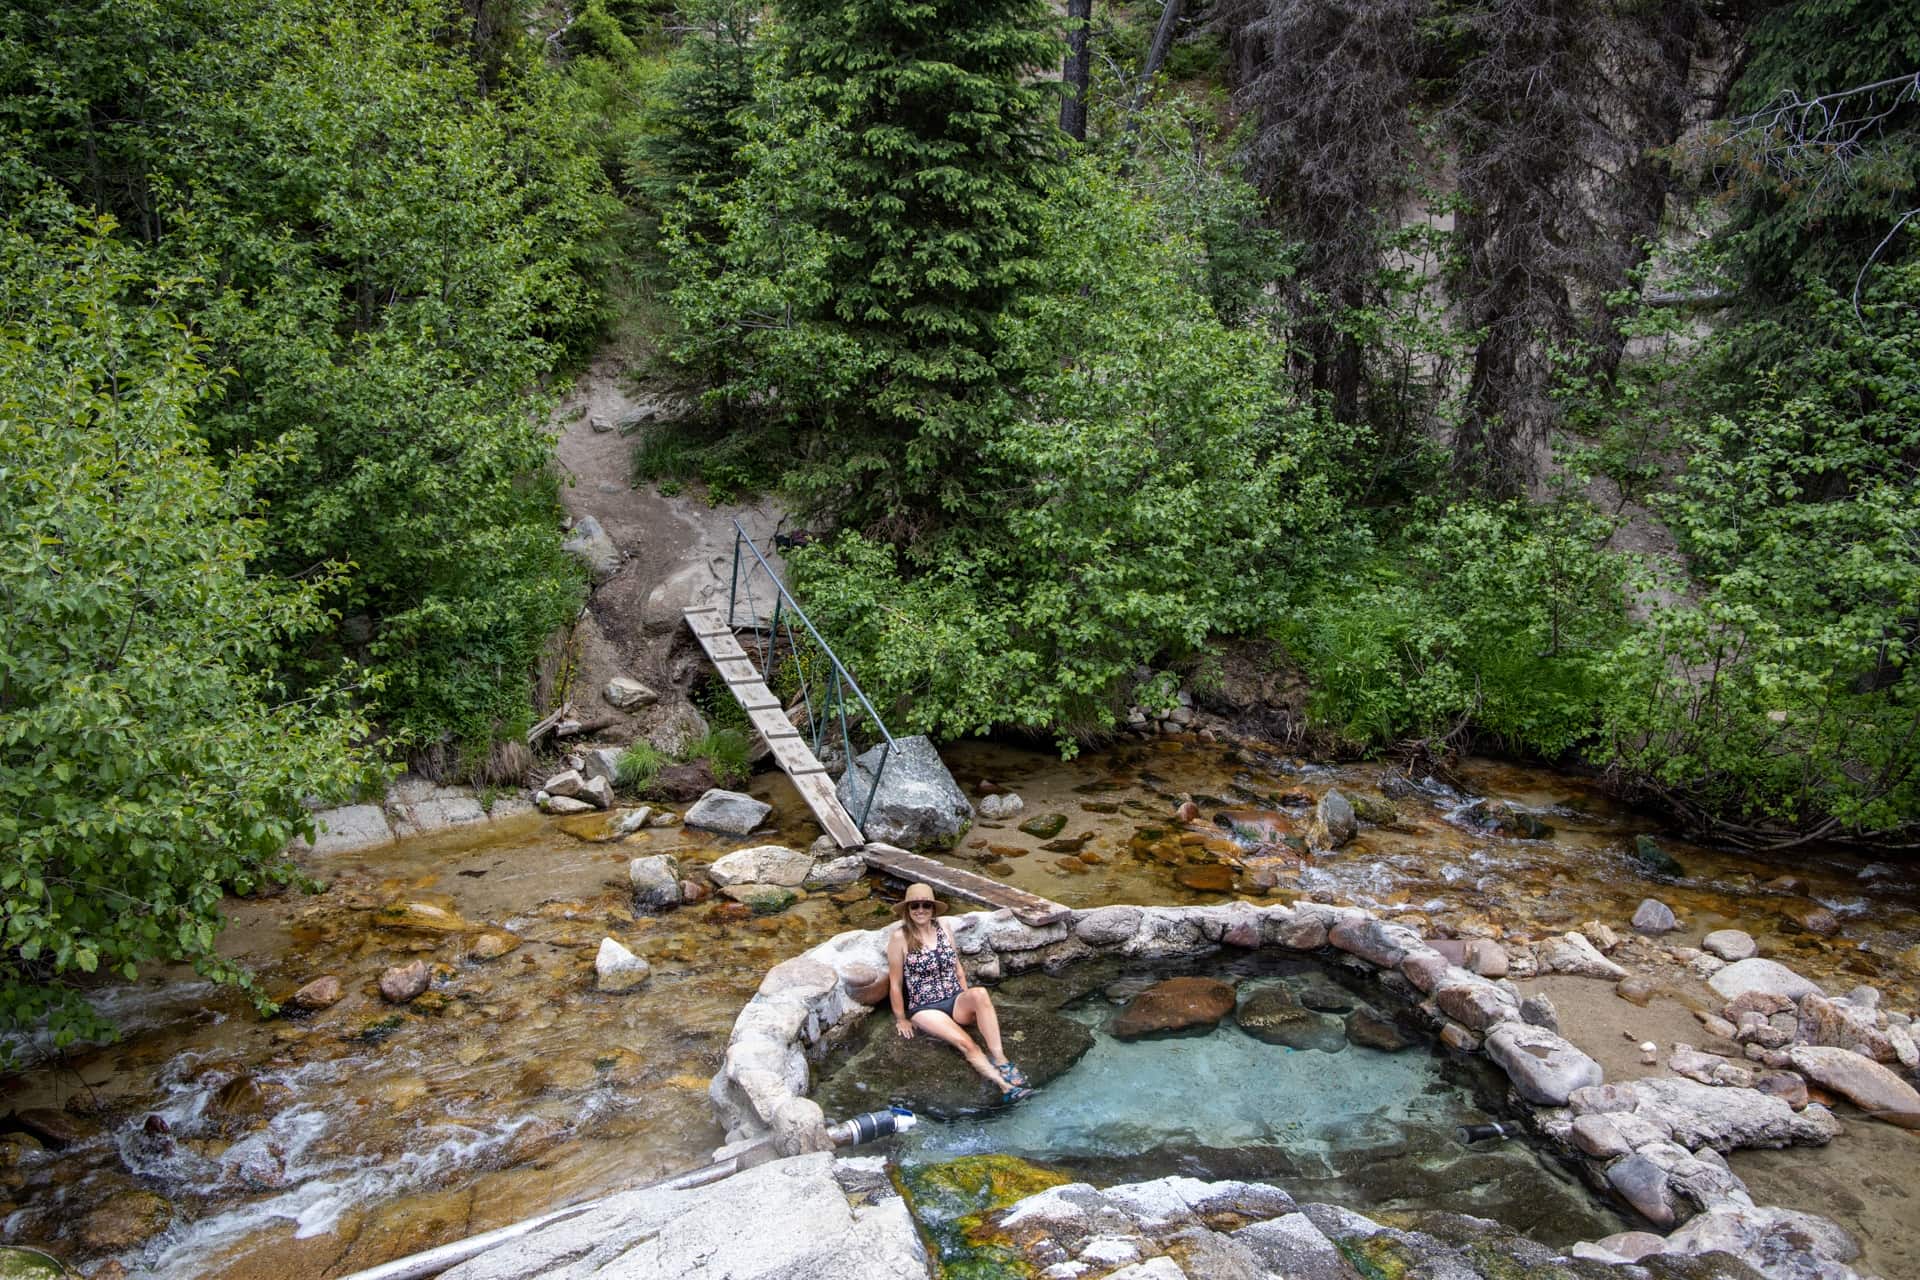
(211, 1143)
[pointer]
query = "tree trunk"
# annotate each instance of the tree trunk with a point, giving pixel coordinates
(1073, 108)
(1157, 51)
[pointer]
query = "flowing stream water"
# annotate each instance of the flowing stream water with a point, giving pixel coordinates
(209, 1142)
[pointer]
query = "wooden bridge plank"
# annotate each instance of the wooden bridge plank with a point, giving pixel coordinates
(789, 749)
(817, 790)
(1029, 907)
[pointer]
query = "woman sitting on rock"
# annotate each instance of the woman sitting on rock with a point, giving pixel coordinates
(929, 991)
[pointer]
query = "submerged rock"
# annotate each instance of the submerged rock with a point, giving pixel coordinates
(403, 982)
(1045, 826)
(1273, 1014)
(931, 1078)
(655, 881)
(1177, 1006)
(1373, 1030)
(322, 993)
(1655, 861)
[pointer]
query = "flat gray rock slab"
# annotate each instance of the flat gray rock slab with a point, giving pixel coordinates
(780, 1221)
(1766, 976)
(350, 827)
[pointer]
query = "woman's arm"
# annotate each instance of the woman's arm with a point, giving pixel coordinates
(896, 957)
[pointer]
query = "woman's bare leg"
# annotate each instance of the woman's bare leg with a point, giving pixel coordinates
(935, 1023)
(975, 1007)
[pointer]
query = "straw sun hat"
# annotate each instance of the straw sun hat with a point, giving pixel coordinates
(918, 893)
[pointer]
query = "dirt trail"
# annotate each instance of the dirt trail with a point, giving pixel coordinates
(678, 549)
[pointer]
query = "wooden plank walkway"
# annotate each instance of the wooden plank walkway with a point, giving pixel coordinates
(1031, 908)
(790, 750)
(816, 786)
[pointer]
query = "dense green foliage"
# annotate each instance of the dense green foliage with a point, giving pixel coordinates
(147, 765)
(853, 275)
(388, 259)
(1145, 464)
(282, 284)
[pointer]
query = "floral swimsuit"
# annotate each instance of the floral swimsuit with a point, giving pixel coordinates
(928, 977)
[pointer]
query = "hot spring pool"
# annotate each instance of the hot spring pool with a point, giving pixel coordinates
(1369, 1129)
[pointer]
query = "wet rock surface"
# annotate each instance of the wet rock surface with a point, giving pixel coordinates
(1272, 1013)
(1178, 1006)
(932, 1079)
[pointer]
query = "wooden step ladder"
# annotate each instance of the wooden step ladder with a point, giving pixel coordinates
(816, 786)
(790, 750)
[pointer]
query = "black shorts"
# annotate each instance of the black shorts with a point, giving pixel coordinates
(944, 1006)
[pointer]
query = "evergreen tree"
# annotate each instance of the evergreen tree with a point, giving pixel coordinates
(926, 136)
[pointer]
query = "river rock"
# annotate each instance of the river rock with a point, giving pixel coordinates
(565, 806)
(31, 1264)
(617, 969)
(1538, 1011)
(322, 993)
(403, 982)
(1781, 1244)
(1371, 1029)
(1001, 805)
(628, 694)
(1374, 941)
(1654, 916)
(1572, 954)
(762, 899)
(127, 1220)
(837, 872)
(590, 544)
(1729, 944)
(655, 881)
(1107, 926)
(566, 784)
(1333, 822)
(491, 944)
(1844, 1025)
(1811, 917)
(1697, 1115)
(1476, 1005)
(1273, 1014)
(1764, 976)
(1174, 1007)
(420, 917)
(762, 864)
(1784, 1085)
(602, 762)
(1543, 1067)
(598, 792)
(1045, 826)
(1688, 1061)
(930, 1078)
(918, 803)
(1656, 861)
(682, 781)
(730, 813)
(1865, 1083)
(419, 805)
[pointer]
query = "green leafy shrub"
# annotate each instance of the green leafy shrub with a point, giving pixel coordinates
(147, 765)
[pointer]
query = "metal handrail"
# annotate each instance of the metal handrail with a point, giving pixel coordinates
(837, 699)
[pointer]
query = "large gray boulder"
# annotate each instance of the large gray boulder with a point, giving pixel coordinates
(350, 827)
(763, 864)
(918, 803)
(810, 1216)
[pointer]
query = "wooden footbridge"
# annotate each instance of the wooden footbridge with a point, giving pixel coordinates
(831, 704)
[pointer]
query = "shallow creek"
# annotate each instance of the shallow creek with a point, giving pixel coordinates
(211, 1143)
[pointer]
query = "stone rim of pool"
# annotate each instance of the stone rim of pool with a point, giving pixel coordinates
(1655, 1143)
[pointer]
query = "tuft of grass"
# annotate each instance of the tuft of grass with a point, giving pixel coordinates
(638, 765)
(725, 750)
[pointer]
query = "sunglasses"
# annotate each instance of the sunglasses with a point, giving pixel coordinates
(919, 906)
